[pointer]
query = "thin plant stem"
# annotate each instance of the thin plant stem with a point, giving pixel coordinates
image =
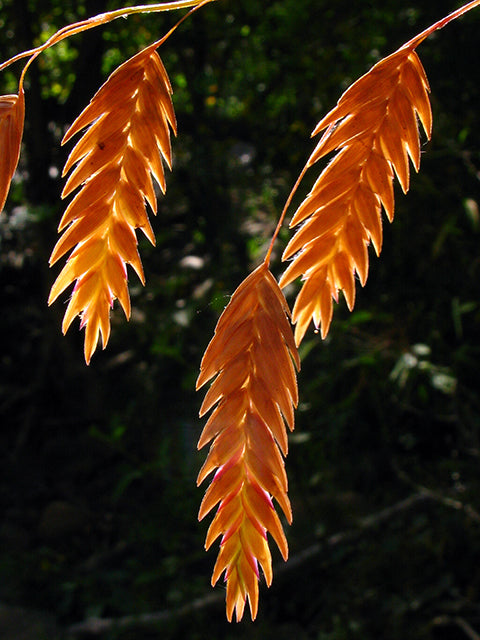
(284, 213)
(414, 42)
(101, 19)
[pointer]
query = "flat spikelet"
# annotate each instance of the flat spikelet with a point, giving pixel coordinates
(251, 358)
(373, 130)
(129, 121)
(12, 116)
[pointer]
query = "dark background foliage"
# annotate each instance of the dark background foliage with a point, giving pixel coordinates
(98, 501)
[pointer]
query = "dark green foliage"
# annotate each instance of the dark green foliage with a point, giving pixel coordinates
(97, 486)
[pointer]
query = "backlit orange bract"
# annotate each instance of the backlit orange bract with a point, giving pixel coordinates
(129, 121)
(251, 358)
(374, 131)
(12, 116)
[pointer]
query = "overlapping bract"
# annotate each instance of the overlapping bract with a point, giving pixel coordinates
(129, 121)
(251, 358)
(374, 130)
(12, 116)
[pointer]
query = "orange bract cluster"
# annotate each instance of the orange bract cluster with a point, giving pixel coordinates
(129, 121)
(12, 116)
(374, 130)
(251, 357)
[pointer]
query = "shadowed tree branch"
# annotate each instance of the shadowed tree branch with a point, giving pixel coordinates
(457, 621)
(97, 626)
